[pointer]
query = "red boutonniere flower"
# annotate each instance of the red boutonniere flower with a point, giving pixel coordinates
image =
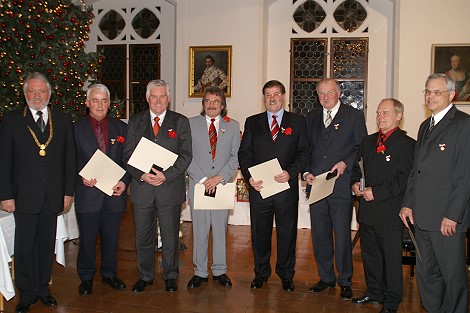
(226, 119)
(381, 148)
(287, 131)
(171, 133)
(120, 139)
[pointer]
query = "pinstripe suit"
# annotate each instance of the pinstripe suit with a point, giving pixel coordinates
(381, 229)
(338, 142)
(224, 164)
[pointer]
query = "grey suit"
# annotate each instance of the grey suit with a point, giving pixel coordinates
(438, 187)
(224, 164)
(163, 201)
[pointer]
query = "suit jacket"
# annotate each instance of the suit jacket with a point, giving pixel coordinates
(29, 178)
(90, 200)
(291, 150)
(439, 184)
(387, 174)
(339, 142)
(172, 191)
(225, 162)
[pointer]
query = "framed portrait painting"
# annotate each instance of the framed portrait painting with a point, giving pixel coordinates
(210, 66)
(454, 61)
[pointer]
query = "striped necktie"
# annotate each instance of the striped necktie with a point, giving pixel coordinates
(99, 133)
(328, 119)
(274, 128)
(431, 125)
(156, 126)
(213, 138)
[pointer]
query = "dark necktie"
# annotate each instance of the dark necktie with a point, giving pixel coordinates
(274, 128)
(99, 133)
(40, 121)
(213, 137)
(431, 125)
(156, 126)
(328, 119)
(381, 139)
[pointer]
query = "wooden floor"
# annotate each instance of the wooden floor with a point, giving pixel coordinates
(210, 297)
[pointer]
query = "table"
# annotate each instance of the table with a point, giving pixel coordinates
(7, 243)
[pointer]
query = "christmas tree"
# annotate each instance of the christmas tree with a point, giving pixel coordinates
(47, 37)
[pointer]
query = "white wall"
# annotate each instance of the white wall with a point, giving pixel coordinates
(236, 23)
(422, 23)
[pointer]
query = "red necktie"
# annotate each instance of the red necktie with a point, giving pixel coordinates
(212, 137)
(156, 126)
(274, 128)
(100, 137)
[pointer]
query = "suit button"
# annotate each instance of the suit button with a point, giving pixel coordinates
(44, 180)
(212, 167)
(419, 171)
(324, 156)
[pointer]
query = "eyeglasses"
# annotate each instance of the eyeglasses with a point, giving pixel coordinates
(435, 93)
(274, 95)
(209, 101)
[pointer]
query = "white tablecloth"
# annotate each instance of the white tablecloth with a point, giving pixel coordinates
(7, 243)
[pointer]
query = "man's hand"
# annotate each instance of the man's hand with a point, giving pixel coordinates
(89, 183)
(309, 178)
(367, 194)
(356, 188)
(257, 184)
(448, 227)
(282, 178)
(119, 188)
(8, 205)
(340, 167)
(212, 182)
(67, 202)
(155, 179)
(406, 213)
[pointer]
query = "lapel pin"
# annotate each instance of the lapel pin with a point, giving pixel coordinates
(336, 126)
(223, 131)
(442, 146)
(112, 141)
(387, 158)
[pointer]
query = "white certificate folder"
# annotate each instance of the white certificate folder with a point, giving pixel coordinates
(106, 172)
(266, 172)
(224, 198)
(148, 153)
(321, 187)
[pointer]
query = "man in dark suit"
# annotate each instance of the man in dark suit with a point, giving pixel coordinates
(97, 213)
(158, 194)
(335, 133)
(37, 166)
(437, 199)
(387, 158)
(216, 139)
(279, 134)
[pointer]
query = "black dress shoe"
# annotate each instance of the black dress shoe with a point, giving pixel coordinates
(258, 282)
(364, 300)
(114, 282)
(170, 285)
(346, 292)
(196, 281)
(321, 285)
(140, 285)
(86, 287)
(223, 280)
(23, 306)
(288, 285)
(388, 311)
(48, 300)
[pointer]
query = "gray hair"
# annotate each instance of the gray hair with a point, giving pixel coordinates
(157, 83)
(326, 80)
(397, 105)
(449, 81)
(38, 76)
(99, 87)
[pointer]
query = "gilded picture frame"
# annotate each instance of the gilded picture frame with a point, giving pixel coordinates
(209, 66)
(454, 61)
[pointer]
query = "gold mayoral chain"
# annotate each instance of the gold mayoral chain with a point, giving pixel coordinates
(42, 146)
